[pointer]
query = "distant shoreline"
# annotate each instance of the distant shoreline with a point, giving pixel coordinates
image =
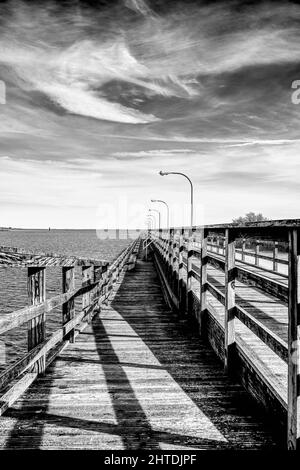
(16, 229)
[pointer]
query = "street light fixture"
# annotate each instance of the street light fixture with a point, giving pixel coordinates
(165, 173)
(168, 210)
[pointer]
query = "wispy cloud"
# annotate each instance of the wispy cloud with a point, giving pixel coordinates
(115, 92)
(153, 153)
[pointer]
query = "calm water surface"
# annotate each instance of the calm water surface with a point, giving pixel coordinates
(13, 281)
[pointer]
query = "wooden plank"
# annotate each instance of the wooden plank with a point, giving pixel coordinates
(243, 249)
(68, 309)
(19, 317)
(262, 332)
(230, 275)
(257, 255)
(181, 296)
(203, 276)
(37, 326)
(256, 252)
(19, 257)
(257, 277)
(271, 339)
(275, 256)
(41, 350)
(293, 436)
(189, 270)
(16, 391)
(215, 292)
(87, 279)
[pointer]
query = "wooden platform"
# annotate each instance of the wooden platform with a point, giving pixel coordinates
(136, 378)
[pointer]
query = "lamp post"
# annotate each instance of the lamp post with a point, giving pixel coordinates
(165, 173)
(152, 220)
(149, 222)
(154, 210)
(168, 210)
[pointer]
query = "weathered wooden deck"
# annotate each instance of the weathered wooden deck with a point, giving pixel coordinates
(137, 377)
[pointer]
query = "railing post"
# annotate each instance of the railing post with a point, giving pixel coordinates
(98, 277)
(243, 249)
(87, 278)
(166, 249)
(293, 438)
(37, 326)
(189, 268)
(104, 287)
(203, 279)
(175, 265)
(68, 309)
(275, 256)
(218, 244)
(170, 256)
(180, 271)
(229, 299)
(257, 245)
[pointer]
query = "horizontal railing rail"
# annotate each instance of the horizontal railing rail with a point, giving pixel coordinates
(18, 257)
(97, 282)
(176, 252)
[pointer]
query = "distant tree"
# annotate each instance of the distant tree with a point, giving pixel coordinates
(250, 217)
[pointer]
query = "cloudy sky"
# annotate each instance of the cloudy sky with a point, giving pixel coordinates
(100, 96)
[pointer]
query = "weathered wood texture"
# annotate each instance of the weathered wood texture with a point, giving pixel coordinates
(251, 311)
(42, 350)
(68, 310)
(37, 326)
(294, 341)
(136, 378)
(16, 257)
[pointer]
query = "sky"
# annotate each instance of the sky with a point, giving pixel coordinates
(102, 95)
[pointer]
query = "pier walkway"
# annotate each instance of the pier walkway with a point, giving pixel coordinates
(177, 344)
(136, 378)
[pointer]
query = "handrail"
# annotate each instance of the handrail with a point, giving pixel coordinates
(15, 257)
(174, 250)
(97, 283)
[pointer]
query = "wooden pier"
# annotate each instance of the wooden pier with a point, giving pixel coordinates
(195, 347)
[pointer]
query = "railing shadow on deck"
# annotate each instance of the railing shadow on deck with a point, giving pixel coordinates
(97, 283)
(143, 437)
(169, 247)
(169, 356)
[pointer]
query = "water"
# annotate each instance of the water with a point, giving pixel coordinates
(13, 281)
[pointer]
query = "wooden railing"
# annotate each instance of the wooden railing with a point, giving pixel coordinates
(216, 244)
(98, 280)
(175, 251)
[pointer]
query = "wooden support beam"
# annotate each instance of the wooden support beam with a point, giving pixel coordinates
(36, 284)
(243, 249)
(203, 280)
(68, 309)
(170, 256)
(230, 274)
(293, 438)
(189, 270)
(87, 275)
(104, 287)
(257, 246)
(181, 296)
(275, 256)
